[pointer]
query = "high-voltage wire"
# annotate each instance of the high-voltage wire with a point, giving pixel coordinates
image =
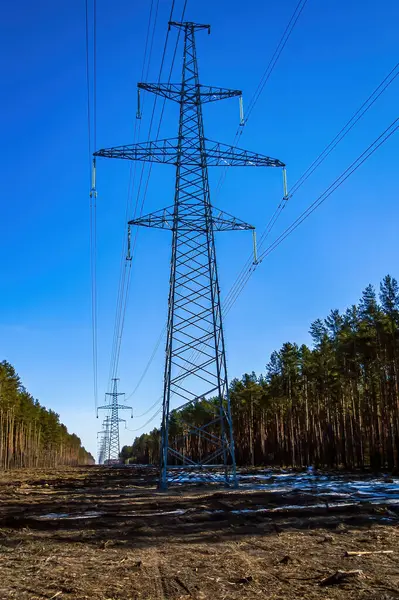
(144, 373)
(264, 79)
(354, 166)
(377, 143)
(125, 266)
(93, 192)
(277, 53)
(354, 119)
(148, 422)
(126, 287)
(157, 344)
(122, 312)
(125, 269)
(367, 104)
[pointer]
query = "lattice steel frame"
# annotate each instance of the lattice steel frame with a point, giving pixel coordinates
(112, 448)
(195, 367)
(104, 441)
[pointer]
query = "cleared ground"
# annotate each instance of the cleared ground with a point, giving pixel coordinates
(105, 533)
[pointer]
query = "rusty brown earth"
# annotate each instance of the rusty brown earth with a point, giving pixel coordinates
(106, 533)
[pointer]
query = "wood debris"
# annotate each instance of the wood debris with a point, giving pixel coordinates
(342, 577)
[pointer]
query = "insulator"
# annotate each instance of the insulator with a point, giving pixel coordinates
(138, 113)
(255, 247)
(285, 187)
(242, 120)
(93, 191)
(128, 256)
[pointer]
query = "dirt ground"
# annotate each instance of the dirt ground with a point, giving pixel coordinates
(106, 533)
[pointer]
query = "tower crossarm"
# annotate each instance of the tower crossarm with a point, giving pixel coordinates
(160, 151)
(167, 151)
(113, 406)
(165, 219)
(223, 155)
(222, 221)
(192, 95)
(189, 25)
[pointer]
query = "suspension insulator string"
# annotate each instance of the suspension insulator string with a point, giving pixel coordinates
(93, 190)
(255, 262)
(128, 256)
(285, 187)
(138, 113)
(242, 120)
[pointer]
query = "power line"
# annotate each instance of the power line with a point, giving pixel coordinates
(148, 178)
(243, 279)
(264, 79)
(93, 193)
(95, 71)
(125, 266)
(144, 373)
(145, 424)
(367, 104)
(158, 401)
(377, 143)
(126, 294)
(277, 53)
(378, 91)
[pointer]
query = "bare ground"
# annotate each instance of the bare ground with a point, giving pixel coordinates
(105, 533)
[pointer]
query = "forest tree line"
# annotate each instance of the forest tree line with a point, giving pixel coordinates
(334, 404)
(31, 435)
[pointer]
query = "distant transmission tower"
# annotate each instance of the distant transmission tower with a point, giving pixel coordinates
(195, 369)
(103, 444)
(113, 448)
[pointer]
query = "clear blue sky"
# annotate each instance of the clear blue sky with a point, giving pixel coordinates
(337, 55)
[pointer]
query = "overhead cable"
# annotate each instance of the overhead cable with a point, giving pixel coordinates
(373, 147)
(93, 193)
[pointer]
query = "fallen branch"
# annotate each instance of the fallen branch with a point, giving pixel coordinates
(361, 553)
(342, 577)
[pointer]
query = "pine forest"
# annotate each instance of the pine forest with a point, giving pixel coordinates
(333, 405)
(31, 435)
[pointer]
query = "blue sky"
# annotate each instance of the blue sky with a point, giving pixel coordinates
(338, 53)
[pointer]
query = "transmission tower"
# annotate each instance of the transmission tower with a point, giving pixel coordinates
(113, 448)
(103, 444)
(195, 368)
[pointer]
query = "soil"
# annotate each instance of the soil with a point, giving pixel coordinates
(106, 533)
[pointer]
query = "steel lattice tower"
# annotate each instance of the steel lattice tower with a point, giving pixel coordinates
(113, 447)
(104, 441)
(195, 368)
